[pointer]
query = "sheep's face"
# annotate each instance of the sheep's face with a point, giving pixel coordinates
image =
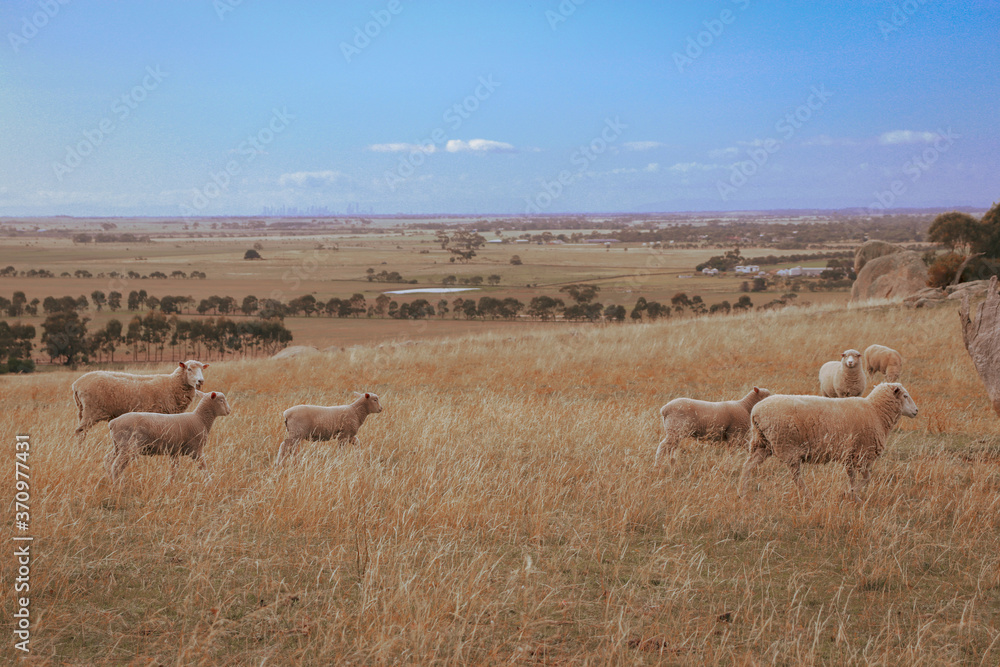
(193, 373)
(907, 405)
(221, 404)
(373, 403)
(850, 358)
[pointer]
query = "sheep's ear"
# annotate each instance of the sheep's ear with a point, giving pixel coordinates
(368, 395)
(756, 390)
(204, 365)
(182, 365)
(213, 395)
(895, 390)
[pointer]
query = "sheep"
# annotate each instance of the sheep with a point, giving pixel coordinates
(104, 395)
(839, 379)
(316, 422)
(152, 433)
(882, 359)
(723, 420)
(817, 429)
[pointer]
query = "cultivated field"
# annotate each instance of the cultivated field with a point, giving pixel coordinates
(334, 264)
(504, 509)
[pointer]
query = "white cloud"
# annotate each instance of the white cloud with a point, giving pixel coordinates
(402, 148)
(652, 167)
(906, 137)
(311, 179)
(722, 153)
(643, 145)
(478, 146)
(685, 167)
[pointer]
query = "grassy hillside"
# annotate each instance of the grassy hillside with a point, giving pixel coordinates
(504, 507)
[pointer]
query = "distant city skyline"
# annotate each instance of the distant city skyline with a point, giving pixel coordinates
(219, 108)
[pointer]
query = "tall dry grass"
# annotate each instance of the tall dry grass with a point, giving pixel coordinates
(504, 508)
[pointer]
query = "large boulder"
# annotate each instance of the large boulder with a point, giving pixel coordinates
(899, 274)
(869, 250)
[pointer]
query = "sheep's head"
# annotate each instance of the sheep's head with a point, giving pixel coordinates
(850, 358)
(220, 403)
(193, 372)
(760, 393)
(906, 404)
(373, 403)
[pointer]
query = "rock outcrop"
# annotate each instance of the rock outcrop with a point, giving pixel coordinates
(898, 274)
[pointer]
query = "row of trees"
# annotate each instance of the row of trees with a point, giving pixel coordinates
(11, 272)
(66, 338)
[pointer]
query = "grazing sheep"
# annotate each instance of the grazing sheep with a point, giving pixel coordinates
(723, 420)
(816, 429)
(151, 433)
(315, 422)
(104, 395)
(882, 359)
(838, 379)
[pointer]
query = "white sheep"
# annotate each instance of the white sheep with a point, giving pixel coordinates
(838, 379)
(817, 429)
(104, 395)
(175, 435)
(316, 422)
(882, 359)
(726, 421)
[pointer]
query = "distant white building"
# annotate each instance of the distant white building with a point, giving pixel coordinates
(749, 268)
(812, 271)
(710, 272)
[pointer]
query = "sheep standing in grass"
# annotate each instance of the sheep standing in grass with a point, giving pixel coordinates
(816, 429)
(882, 359)
(839, 379)
(725, 421)
(104, 395)
(316, 422)
(150, 433)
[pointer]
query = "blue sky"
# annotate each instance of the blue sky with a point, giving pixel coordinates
(224, 107)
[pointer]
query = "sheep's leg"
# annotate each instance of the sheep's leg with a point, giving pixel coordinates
(861, 483)
(756, 457)
(123, 459)
(109, 462)
(667, 446)
(796, 468)
(289, 448)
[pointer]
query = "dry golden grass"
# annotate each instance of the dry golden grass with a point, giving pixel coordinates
(504, 508)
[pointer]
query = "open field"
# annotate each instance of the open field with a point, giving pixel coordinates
(329, 265)
(504, 508)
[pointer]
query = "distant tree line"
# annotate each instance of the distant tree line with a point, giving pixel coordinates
(11, 272)
(67, 339)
